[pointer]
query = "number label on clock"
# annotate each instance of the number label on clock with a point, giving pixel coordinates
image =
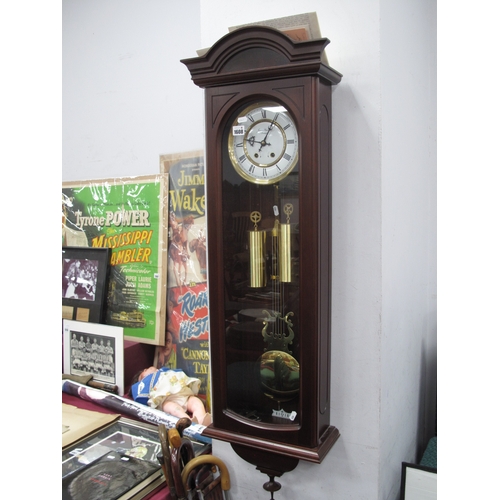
(239, 130)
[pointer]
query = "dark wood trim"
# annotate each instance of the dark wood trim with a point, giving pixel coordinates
(315, 455)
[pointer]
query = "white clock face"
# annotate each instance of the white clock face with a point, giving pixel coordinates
(263, 143)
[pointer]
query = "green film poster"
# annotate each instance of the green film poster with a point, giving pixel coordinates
(127, 215)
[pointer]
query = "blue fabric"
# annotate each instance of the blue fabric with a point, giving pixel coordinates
(140, 390)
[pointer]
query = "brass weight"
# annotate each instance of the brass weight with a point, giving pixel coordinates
(285, 247)
(257, 249)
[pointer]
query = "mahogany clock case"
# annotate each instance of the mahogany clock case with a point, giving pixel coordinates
(248, 66)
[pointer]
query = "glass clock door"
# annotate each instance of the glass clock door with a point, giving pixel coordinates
(261, 278)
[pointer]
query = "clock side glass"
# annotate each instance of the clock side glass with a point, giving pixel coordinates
(261, 272)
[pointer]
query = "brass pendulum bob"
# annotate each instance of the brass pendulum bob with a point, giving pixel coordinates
(257, 249)
(285, 247)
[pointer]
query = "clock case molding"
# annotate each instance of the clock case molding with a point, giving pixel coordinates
(247, 65)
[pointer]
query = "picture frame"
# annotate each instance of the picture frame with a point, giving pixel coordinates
(124, 452)
(85, 273)
(418, 482)
(95, 349)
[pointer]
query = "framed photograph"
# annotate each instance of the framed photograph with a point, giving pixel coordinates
(94, 349)
(117, 462)
(418, 482)
(84, 283)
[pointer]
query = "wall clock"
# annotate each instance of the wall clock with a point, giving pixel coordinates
(268, 119)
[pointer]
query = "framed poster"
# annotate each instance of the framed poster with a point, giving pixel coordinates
(186, 338)
(94, 349)
(84, 283)
(128, 216)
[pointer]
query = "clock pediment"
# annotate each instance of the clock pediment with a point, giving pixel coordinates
(258, 53)
(262, 57)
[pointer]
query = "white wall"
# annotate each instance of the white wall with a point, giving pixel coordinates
(408, 195)
(126, 96)
(127, 99)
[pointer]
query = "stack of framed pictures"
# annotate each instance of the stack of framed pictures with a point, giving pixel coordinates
(117, 462)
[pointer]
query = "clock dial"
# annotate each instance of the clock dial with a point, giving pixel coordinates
(263, 143)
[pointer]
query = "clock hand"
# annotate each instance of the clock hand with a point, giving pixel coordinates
(263, 142)
(252, 142)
